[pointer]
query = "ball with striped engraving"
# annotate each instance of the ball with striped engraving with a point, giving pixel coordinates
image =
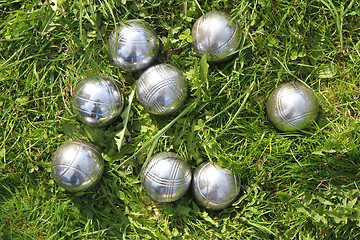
(215, 187)
(161, 89)
(97, 101)
(133, 45)
(77, 165)
(292, 106)
(217, 35)
(167, 177)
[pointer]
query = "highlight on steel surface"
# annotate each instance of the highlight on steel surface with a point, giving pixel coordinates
(162, 89)
(292, 106)
(97, 101)
(133, 45)
(77, 166)
(167, 177)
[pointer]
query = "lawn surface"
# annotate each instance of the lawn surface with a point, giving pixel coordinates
(301, 185)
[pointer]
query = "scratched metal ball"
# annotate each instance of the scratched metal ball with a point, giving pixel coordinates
(133, 45)
(215, 187)
(167, 177)
(77, 165)
(97, 100)
(217, 35)
(292, 106)
(161, 89)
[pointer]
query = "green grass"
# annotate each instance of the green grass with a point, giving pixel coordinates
(302, 185)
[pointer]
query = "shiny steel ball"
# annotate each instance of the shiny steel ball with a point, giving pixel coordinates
(166, 178)
(215, 187)
(133, 45)
(161, 89)
(292, 106)
(77, 165)
(97, 100)
(217, 35)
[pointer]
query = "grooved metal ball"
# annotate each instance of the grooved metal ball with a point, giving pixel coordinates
(292, 106)
(215, 187)
(162, 89)
(216, 35)
(97, 100)
(133, 45)
(167, 177)
(77, 165)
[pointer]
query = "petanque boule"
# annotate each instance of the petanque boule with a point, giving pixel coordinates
(77, 165)
(97, 101)
(217, 35)
(167, 177)
(161, 89)
(133, 45)
(292, 106)
(215, 187)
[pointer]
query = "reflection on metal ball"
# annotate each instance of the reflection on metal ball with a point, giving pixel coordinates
(97, 100)
(133, 45)
(214, 187)
(77, 165)
(292, 106)
(167, 177)
(162, 89)
(217, 35)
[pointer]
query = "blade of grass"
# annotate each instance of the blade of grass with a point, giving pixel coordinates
(149, 156)
(125, 115)
(198, 5)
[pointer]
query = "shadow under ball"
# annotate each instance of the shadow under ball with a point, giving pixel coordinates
(215, 187)
(216, 35)
(292, 106)
(97, 101)
(162, 89)
(77, 165)
(166, 178)
(133, 45)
